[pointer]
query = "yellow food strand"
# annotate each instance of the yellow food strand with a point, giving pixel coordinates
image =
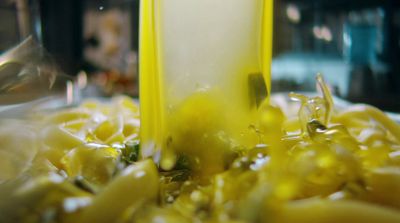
(317, 210)
(269, 183)
(137, 184)
(371, 113)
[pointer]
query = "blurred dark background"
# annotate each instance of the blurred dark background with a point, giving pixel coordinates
(354, 43)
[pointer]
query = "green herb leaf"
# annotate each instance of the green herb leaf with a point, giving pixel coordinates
(130, 152)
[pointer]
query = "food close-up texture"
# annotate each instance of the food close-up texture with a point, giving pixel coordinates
(316, 163)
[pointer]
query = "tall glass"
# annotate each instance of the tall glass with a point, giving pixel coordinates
(204, 68)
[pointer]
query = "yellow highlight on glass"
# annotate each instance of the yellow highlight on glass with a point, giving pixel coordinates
(204, 69)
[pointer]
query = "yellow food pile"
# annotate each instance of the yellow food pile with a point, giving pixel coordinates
(84, 165)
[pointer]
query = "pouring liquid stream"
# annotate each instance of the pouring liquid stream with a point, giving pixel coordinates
(204, 70)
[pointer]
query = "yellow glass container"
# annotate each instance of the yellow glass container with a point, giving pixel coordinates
(204, 68)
